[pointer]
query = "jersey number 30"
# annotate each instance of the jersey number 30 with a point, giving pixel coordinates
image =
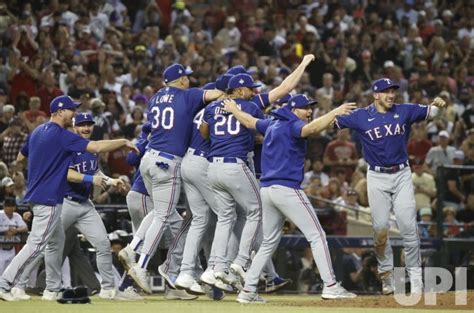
(226, 125)
(165, 117)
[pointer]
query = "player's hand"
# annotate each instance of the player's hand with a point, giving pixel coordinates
(439, 102)
(100, 181)
(345, 108)
(230, 105)
(115, 182)
(131, 147)
(308, 58)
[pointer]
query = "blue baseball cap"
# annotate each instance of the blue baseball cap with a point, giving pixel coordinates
(300, 101)
(63, 103)
(238, 69)
(223, 81)
(209, 86)
(83, 118)
(282, 100)
(175, 71)
(242, 80)
(383, 84)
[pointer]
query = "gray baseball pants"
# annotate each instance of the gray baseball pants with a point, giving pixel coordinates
(387, 192)
(280, 202)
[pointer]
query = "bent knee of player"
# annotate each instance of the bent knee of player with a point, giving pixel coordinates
(103, 246)
(380, 235)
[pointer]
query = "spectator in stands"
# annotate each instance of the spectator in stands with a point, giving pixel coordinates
(328, 87)
(332, 191)
(467, 214)
(443, 154)
(424, 184)
(467, 176)
(418, 145)
(47, 92)
(34, 116)
(340, 153)
(370, 280)
(315, 172)
(308, 280)
(102, 127)
(425, 227)
(13, 139)
(19, 187)
(11, 224)
(454, 197)
(8, 111)
(352, 263)
(451, 226)
(229, 36)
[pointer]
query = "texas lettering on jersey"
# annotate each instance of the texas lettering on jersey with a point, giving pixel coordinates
(386, 130)
(85, 166)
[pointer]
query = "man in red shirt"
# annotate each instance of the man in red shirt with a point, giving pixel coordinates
(340, 153)
(418, 145)
(48, 91)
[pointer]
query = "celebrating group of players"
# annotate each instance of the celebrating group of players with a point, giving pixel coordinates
(203, 140)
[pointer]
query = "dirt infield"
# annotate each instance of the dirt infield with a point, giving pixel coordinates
(444, 301)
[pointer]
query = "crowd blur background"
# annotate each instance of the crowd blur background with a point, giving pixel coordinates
(110, 55)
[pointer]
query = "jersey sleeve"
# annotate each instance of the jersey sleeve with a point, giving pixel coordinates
(133, 158)
(416, 112)
(262, 125)
(195, 96)
(207, 115)
(296, 127)
(262, 100)
(72, 142)
(24, 149)
(346, 121)
(253, 109)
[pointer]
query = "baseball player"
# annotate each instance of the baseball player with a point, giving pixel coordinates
(229, 175)
(283, 156)
(79, 211)
(140, 207)
(11, 224)
(263, 100)
(384, 129)
(49, 149)
(171, 112)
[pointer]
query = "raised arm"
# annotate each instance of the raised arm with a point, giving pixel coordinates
(290, 82)
(243, 117)
(326, 120)
(212, 95)
(110, 145)
(436, 107)
(76, 177)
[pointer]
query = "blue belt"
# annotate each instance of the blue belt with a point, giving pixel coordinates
(166, 155)
(74, 199)
(389, 170)
(200, 153)
(228, 160)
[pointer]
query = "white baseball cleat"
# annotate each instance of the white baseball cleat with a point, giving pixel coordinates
(129, 294)
(175, 294)
(140, 276)
(188, 283)
(108, 294)
(6, 295)
(208, 277)
(238, 271)
(248, 297)
(127, 257)
(388, 283)
(229, 279)
(167, 277)
(50, 295)
(19, 294)
(416, 286)
(336, 291)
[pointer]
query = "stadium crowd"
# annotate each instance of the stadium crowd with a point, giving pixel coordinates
(109, 55)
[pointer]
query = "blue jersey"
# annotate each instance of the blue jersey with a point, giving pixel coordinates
(49, 150)
(283, 151)
(85, 163)
(384, 136)
(171, 112)
(197, 141)
(133, 159)
(228, 137)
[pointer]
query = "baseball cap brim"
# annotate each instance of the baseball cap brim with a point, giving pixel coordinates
(188, 72)
(394, 86)
(254, 85)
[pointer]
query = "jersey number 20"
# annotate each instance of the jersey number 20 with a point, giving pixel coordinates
(166, 116)
(226, 124)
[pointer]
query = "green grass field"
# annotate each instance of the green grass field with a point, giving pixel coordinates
(155, 304)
